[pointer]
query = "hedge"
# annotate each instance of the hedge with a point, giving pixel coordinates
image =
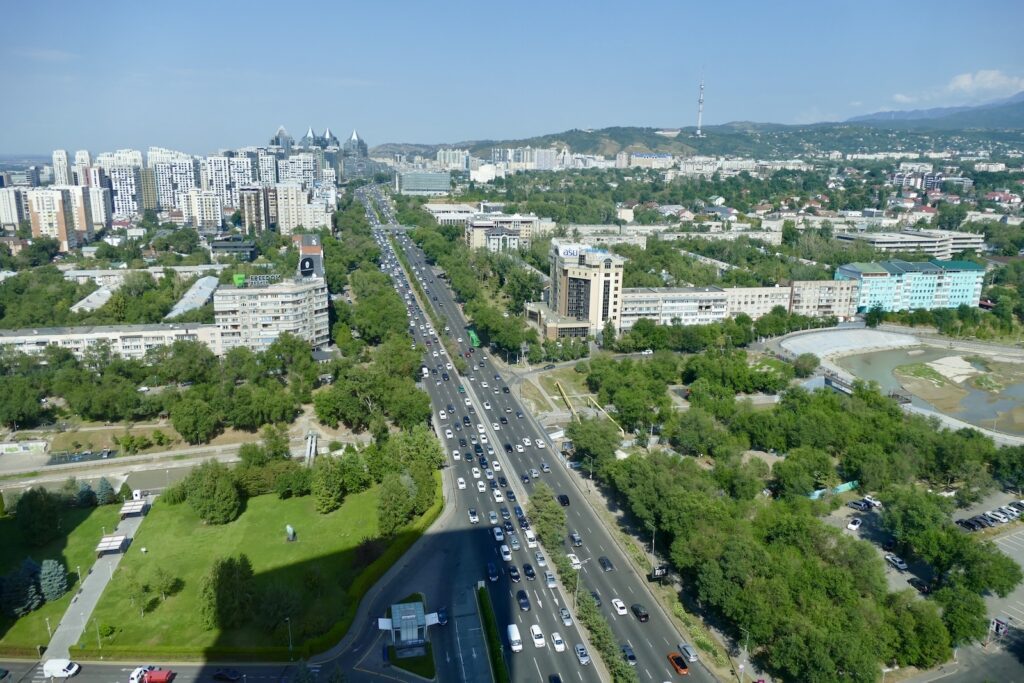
(493, 636)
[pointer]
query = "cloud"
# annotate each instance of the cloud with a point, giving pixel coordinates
(46, 55)
(903, 99)
(985, 82)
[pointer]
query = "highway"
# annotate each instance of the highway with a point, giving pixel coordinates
(653, 640)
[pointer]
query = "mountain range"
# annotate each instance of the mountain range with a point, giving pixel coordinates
(991, 123)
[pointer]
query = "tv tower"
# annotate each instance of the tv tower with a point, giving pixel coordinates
(700, 108)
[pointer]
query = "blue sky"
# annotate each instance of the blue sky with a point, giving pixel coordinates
(198, 76)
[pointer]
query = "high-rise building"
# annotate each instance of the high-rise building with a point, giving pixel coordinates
(243, 169)
(149, 199)
(267, 164)
(12, 207)
(256, 315)
(83, 160)
(174, 178)
(217, 178)
(61, 167)
(102, 208)
(424, 183)
(299, 168)
(122, 157)
(203, 209)
(255, 209)
(296, 208)
(81, 210)
(283, 140)
(453, 159)
(51, 215)
(586, 283)
(126, 189)
(355, 146)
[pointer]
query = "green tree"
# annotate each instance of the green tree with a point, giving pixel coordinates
(105, 493)
(163, 582)
(19, 402)
(327, 485)
(38, 516)
(874, 316)
(963, 613)
(394, 507)
(594, 438)
(53, 580)
(195, 420)
(213, 494)
(547, 514)
(805, 364)
(227, 593)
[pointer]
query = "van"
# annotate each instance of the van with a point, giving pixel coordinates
(531, 538)
(60, 668)
(515, 642)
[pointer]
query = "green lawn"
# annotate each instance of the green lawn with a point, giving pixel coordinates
(85, 526)
(176, 539)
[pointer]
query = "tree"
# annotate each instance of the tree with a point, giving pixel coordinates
(805, 364)
(21, 593)
(85, 497)
(38, 516)
(355, 476)
(394, 506)
(163, 582)
(226, 593)
(594, 438)
(213, 494)
(195, 420)
(277, 603)
(105, 493)
(547, 514)
(327, 485)
(963, 613)
(874, 316)
(19, 402)
(53, 580)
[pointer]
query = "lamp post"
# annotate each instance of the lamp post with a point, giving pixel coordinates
(654, 530)
(576, 590)
(99, 644)
(48, 629)
(746, 651)
(288, 620)
(79, 575)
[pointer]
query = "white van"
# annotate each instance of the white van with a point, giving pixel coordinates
(499, 497)
(65, 668)
(514, 640)
(531, 539)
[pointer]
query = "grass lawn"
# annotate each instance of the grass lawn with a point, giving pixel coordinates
(98, 439)
(85, 526)
(176, 539)
(533, 395)
(421, 666)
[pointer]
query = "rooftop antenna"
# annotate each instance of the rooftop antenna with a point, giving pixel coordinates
(700, 108)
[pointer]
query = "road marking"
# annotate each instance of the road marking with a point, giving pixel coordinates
(539, 676)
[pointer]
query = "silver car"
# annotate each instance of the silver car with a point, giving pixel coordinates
(566, 617)
(582, 654)
(687, 651)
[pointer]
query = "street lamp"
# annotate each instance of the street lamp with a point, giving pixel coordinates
(99, 645)
(48, 629)
(576, 590)
(288, 621)
(79, 576)
(746, 652)
(654, 530)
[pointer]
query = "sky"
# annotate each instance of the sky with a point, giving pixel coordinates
(200, 76)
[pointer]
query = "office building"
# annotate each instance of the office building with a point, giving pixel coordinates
(283, 140)
(939, 244)
(126, 341)
(203, 209)
(502, 239)
(125, 189)
(673, 306)
(255, 315)
(902, 285)
(355, 147)
(254, 206)
(13, 207)
(61, 168)
(586, 284)
(51, 215)
(427, 183)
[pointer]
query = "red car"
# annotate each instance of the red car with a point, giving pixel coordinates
(678, 663)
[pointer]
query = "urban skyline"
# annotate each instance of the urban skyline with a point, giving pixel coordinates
(757, 63)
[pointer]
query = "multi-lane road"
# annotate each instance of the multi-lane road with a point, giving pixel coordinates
(484, 388)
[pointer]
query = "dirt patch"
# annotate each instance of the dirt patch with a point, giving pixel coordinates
(945, 397)
(768, 458)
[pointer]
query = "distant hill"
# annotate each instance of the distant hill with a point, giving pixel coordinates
(1004, 113)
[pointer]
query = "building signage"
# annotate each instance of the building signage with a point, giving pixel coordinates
(569, 251)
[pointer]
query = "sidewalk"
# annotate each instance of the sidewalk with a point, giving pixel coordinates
(72, 625)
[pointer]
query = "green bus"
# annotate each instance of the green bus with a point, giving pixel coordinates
(473, 339)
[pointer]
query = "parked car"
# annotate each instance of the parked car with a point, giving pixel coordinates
(896, 562)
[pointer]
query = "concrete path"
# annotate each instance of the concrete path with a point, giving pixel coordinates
(73, 624)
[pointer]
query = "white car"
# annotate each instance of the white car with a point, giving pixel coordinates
(896, 562)
(495, 426)
(492, 517)
(467, 401)
(854, 524)
(526, 441)
(443, 415)
(487, 405)
(476, 472)
(459, 340)
(461, 483)
(539, 556)
(519, 448)
(456, 455)
(448, 434)
(575, 562)
(483, 438)
(483, 385)
(506, 554)
(620, 607)
(540, 443)
(557, 642)
(496, 466)
(435, 354)
(488, 473)
(479, 428)
(447, 366)
(481, 487)
(538, 636)
(60, 668)
(499, 535)
(474, 518)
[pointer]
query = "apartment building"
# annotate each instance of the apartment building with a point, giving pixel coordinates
(939, 244)
(13, 207)
(175, 178)
(125, 189)
(673, 306)
(254, 205)
(52, 215)
(203, 209)
(902, 285)
(127, 341)
(254, 316)
(61, 168)
(756, 302)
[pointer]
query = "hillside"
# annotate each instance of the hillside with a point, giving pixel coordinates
(1003, 113)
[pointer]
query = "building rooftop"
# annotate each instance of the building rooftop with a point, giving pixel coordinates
(672, 290)
(106, 329)
(196, 296)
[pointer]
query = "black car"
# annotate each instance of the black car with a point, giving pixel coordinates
(503, 482)
(511, 495)
(504, 420)
(442, 616)
(444, 376)
(859, 505)
(922, 587)
(497, 378)
(508, 446)
(525, 478)
(549, 367)
(629, 655)
(597, 597)
(505, 514)
(605, 563)
(519, 414)
(504, 390)
(462, 442)
(492, 571)
(529, 572)
(219, 675)
(640, 612)
(575, 539)
(509, 529)
(513, 573)
(518, 511)
(465, 420)
(477, 448)
(563, 500)
(483, 462)
(451, 408)
(524, 523)
(494, 485)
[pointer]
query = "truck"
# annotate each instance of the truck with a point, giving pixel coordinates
(151, 674)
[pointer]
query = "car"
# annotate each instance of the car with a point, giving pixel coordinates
(525, 478)
(581, 654)
(445, 376)
(499, 534)
(678, 663)
(455, 454)
(922, 587)
(896, 562)
(519, 448)
(506, 553)
(489, 473)
(859, 505)
(511, 495)
(597, 597)
(509, 529)
(492, 572)
(563, 500)
(474, 518)
(557, 642)
(854, 524)
(481, 486)
(640, 612)
(496, 466)
(503, 420)
(442, 616)
(549, 367)
(540, 443)
(462, 442)
(461, 483)
(529, 572)
(492, 517)
(508, 448)
(535, 474)
(629, 655)
(513, 541)
(487, 404)
(479, 428)
(467, 401)
(227, 675)
(495, 426)
(505, 514)
(872, 501)
(443, 415)
(575, 539)
(1010, 512)
(526, 441)
(620, 607)
(538, 636)
(448, 434)
(476, 472)
(539, 556)
(546, 468)
(505, 390)
(606, 564)
(524, 601)
(513, 573)
(688, 652)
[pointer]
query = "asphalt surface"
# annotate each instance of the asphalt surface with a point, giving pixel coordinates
(651, 641)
